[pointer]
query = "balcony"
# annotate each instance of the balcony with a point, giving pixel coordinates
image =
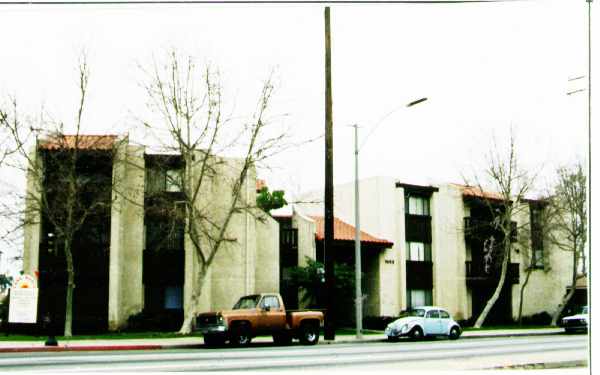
(163, 267)
(476, 275)
(479, 229)
(419, 275)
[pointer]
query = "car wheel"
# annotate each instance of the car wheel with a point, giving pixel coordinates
(416, 333)
(241, 336)
(282, 339)
(454, 333)
(309, 334)
(213, 340)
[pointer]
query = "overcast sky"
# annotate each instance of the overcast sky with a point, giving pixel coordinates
(484, 67)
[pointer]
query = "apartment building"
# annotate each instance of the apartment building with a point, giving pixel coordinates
(129, 257)
(440, 238)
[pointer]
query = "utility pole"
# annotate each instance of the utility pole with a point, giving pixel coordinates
(357, 252)
(328, 240)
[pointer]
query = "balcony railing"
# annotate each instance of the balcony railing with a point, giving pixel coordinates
(419, 275)
(163, 267)
(477, 273)
(479, 229)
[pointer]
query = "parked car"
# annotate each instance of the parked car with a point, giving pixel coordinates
(259, 314)
(577, 322)
(423, 321)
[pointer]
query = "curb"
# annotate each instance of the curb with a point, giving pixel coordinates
(200, 344)
(80, 348)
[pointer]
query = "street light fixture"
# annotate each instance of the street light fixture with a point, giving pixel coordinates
(358, 266)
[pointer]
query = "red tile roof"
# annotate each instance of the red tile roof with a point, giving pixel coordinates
(84, 142)
(475, 191)
(345, 232)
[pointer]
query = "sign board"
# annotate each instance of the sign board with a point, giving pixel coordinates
(23, 300)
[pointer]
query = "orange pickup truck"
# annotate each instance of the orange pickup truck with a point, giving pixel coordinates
(259, 314)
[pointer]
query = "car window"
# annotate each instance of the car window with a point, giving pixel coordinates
(270, 301)
(433, 314)
(248, 302)
(584, 310)
(444, 314)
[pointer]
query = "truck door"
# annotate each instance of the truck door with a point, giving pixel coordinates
(271, 314)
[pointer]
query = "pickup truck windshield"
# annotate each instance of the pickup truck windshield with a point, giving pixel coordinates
(247, 302)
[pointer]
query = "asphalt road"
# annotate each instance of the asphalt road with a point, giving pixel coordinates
(425, 355)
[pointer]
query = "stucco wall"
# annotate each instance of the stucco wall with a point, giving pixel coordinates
(448, 251)
(267, 255)
(546, 286)
(32, 227)
(127, 236)
(306, 237)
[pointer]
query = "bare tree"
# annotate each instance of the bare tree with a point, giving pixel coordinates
(188, 106)
(504, 175)
(60, 194)
(569, 224)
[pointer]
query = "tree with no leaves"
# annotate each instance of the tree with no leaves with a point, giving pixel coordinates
(504, 175)
(568, 226)
(60, 194)
(187, 105)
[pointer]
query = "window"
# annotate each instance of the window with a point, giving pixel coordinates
(416, 205)
(173, 180)
(537, 239)
(433, 314)
(444, 315)
(161, 180)
(418, 251)
(538, 258)
(271, 302)
(174, 297)
(418, 297)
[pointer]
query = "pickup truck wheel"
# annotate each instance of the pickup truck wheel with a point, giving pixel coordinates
(309, 334)
(241, 336)
(282, 339)
(416, 333)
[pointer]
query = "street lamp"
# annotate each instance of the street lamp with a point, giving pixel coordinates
(358, 266)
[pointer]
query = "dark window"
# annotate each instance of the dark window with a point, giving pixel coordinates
(444, 314)
(161, 180)
(433, 314)
(537, 238)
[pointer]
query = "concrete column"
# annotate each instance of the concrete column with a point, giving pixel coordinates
(126, 236)
(32, 230)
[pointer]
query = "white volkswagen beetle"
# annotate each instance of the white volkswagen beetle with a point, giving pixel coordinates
(423, 321)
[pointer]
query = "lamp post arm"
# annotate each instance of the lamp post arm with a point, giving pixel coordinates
(415, 102)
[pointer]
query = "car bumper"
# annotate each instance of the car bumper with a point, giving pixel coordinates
(393, 333)
(212, 330)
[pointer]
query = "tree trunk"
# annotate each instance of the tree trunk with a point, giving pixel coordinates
(186, 326)
(70, 287)
(529, 271)
(496, 295)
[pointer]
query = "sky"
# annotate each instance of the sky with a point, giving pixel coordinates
(485, 68)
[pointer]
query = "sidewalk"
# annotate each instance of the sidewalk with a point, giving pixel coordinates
(196, 341)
